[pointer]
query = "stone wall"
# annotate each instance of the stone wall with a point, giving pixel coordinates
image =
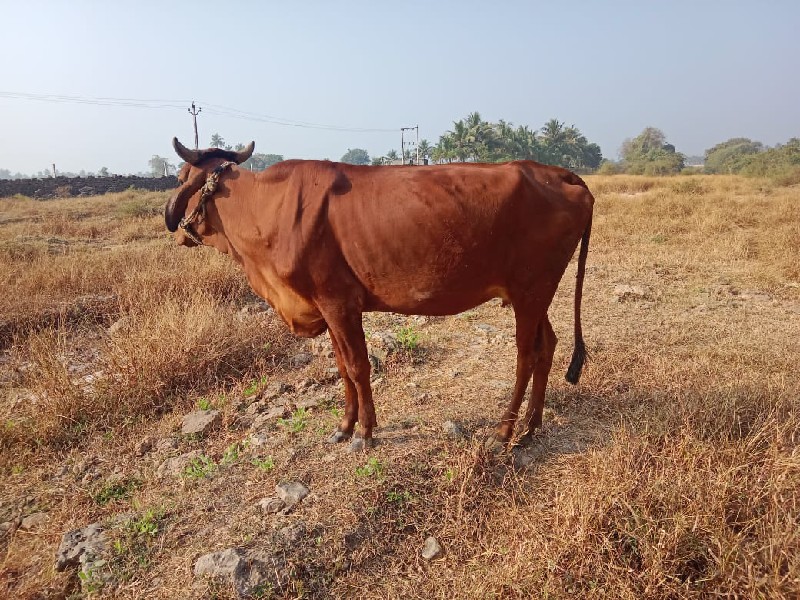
(62, 187)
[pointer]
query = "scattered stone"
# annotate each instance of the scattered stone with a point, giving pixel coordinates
(276, 389)
(382, 344)
(264, 419)
(33, 521)
(118, 326)
(375, 363)
(486, 329)
(255, 408)
(259, 439)
(522, 459)
(144, 446)
(333, 373)
(176, 465)
(253, 308)
(431, 549)
(81, 546)
(306, 384)
(301, 359)
(630, 293)
(201, 422)
(307, 403)
(61, 471)
(322, 346)
(292, 534)
(166, 444)
(246, 570)
(453, 430)
(291, 492)
(90, 476)
(272, 505)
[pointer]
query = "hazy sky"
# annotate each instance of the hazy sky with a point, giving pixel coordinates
(701, 71)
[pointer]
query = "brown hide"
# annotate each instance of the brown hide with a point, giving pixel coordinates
(324, 242)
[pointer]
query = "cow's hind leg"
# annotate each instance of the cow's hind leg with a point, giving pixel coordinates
(345, 429)
(527, 325)
(544, 348)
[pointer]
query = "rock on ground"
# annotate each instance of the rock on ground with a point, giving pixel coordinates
(291, 492)
(33, 521)
(201, 422)
(272, 505)
(453, 430)
(246, 570)
(176, 465)
(80, 546)
(431, 549)
(630, 293)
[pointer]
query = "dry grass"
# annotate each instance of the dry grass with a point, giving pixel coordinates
(671, 471)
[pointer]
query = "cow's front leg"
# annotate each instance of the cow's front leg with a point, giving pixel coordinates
(350, 348)
(345, 429)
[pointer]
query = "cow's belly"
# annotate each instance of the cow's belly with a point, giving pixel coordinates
(300, 315)
(419, 301)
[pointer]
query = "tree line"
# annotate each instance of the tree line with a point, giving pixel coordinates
(473, 139)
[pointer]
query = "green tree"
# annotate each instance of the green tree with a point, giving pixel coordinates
(650, 154)
(217, 141)
(731, 156)
(781, 161)
(160, 166)
(259, 162)
(103, 172)
(424, 149)
(355, 156)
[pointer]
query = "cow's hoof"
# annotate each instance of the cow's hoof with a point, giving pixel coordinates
(494, 445)
(339, 436)
(359, 444)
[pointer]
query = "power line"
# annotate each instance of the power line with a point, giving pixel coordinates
(214, 109)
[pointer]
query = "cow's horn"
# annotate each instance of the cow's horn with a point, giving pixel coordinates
(190, 156)
(244, 154)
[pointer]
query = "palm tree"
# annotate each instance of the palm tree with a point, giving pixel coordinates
(424, 149)
(217, 141)
(553, 138)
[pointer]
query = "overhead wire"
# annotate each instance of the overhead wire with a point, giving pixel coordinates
(210, 108)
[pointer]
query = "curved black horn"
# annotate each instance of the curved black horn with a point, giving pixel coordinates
(190, 156)
(244, 154)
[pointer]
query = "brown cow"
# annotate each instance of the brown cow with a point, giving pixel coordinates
(324, 242)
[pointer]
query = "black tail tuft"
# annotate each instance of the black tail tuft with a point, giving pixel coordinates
(579, 354)
(577, 362)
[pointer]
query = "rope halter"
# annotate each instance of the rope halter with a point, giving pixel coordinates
(206, 192)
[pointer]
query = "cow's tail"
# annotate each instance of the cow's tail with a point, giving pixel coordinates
(579, 354)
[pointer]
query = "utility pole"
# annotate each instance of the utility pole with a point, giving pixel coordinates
(417, 143)
(402, 143)
(194, 112)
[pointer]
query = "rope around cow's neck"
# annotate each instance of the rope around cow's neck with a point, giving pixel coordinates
(206, 192)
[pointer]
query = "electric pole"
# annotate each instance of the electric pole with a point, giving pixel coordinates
(194, 112)
(402, 143)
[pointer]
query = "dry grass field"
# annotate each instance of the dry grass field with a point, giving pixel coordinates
(671, 471)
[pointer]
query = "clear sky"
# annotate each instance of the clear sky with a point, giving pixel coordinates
(701, 71)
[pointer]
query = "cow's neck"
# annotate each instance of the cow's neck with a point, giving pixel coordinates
(249, 217)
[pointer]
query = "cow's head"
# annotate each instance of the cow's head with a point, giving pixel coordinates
(196, 172)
